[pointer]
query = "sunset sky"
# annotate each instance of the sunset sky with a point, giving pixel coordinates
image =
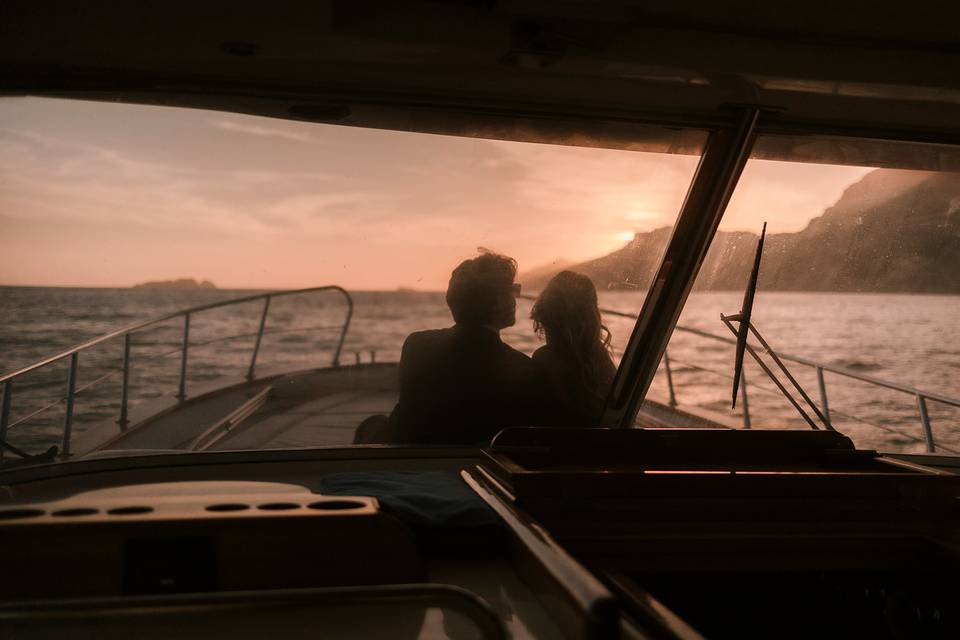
(97, 194)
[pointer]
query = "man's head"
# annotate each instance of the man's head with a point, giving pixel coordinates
(482, 292)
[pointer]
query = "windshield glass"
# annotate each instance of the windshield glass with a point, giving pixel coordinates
(119, 214)
(857, 293)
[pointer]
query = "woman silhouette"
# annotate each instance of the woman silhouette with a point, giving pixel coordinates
(576, 359)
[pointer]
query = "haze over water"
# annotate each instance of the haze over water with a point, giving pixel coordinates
(909, 339)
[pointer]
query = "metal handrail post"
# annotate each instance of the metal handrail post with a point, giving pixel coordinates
(125, 383)
(666, 362)
(256, 345)
(921, 395)
(176, 314)
(127, 332)
(763, 366)
(925, 421)
(68, 414)
(786, 372)
(182, 391)
(343, 332)
(743, 399)
(848, 373)
(5, 411)
(822, 383)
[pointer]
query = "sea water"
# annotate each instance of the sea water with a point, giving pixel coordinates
(911, 340)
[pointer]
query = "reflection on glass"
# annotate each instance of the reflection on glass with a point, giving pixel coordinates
(198, 207)
(859, 275)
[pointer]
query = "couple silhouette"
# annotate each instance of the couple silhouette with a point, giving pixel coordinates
(463, 384)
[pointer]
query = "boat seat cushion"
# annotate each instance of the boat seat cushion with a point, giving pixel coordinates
(438, 506)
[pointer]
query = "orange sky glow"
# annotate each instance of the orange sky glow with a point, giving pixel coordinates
(97, 194)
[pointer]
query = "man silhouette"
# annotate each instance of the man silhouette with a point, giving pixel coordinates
(461, 385)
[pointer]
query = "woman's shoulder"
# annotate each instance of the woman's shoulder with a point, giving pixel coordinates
(546, 355)
(551, 366)
(607, 370)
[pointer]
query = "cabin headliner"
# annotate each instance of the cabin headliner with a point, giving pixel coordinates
(573, 72)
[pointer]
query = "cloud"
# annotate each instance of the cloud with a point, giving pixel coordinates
(261, 194)
(266, 132)
(44, 177)
(786, 194)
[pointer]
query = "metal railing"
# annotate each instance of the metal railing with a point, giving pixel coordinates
(127, 333)
(920, 395)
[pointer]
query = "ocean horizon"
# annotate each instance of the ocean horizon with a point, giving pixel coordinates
(910, 339)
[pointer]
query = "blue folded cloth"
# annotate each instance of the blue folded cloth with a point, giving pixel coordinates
(429, 499)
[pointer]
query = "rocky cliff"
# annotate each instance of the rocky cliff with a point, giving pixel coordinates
(181, 283)
(892, 231)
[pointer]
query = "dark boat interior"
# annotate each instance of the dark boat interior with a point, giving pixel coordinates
(598, 533)
(605, 533)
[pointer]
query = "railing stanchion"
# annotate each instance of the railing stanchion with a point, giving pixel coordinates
(743, 399)
(925, 421)
(256, 346)
(5, 412)
(182, 391)
(343, 332)
(125, 383)
(68, 414)
(825, 406)
(6, 380)
(666, 362)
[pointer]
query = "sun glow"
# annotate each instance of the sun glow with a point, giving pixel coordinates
(640, 216)
(100, 196)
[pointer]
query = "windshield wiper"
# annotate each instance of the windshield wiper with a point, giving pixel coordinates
(746, 310)
(745, 328)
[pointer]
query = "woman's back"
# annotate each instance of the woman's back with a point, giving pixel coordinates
(572, 400)
(576, 360)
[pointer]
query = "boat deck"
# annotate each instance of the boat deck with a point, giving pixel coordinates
(317, 409)
(314, 408)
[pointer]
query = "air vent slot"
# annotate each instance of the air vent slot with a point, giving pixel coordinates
(16, 514)
(336, 505)
(228, 506)
(130, 511)
(279, 506)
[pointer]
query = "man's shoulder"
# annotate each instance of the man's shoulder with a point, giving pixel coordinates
(427, 333)
(420, 340)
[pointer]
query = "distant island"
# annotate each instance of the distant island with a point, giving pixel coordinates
(892, 231)
(180, 283)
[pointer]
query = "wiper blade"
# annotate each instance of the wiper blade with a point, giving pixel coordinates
(746, 310)
(745, 328)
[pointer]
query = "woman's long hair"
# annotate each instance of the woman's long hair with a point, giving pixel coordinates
(566, 314)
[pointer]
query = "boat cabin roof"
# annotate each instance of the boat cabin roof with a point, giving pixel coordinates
(590, 73)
